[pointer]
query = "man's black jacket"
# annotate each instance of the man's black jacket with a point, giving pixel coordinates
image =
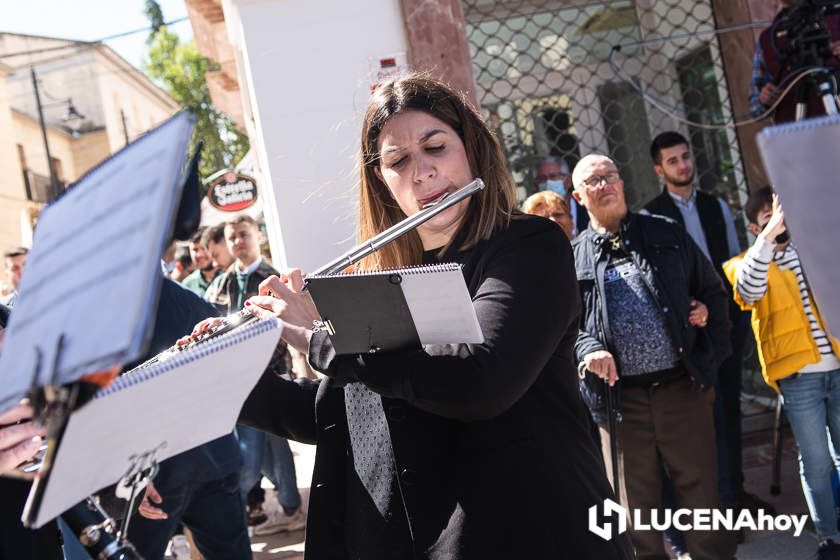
(675, 271)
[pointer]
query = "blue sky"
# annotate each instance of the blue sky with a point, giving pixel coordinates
(89, 20)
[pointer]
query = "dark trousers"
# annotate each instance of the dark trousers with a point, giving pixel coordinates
(17, 542)
(728, 414)
(669, 424)
(214, 513)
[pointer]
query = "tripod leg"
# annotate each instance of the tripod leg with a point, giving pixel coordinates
(775, 481)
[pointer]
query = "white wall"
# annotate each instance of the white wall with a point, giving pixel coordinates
(304, 74)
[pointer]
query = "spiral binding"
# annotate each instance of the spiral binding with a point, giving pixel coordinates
(807, 124)
(406, 271)
(212, 345)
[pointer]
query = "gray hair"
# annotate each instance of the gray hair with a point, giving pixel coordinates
(564, 165)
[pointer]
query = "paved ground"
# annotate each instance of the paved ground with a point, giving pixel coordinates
(772, 545)
(289, 546)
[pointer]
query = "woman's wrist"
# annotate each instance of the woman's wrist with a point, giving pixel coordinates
(297, 337)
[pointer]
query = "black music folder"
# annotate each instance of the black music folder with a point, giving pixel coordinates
(394, 309)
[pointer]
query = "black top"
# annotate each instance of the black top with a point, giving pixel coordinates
(484, 448)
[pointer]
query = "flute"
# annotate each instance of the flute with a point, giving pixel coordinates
(399, 229)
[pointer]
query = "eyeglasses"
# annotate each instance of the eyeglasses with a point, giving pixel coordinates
(596, 180)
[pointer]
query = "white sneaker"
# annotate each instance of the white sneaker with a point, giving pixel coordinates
(180, 548)
(279, 521)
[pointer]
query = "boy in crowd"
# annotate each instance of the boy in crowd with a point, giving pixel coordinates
(205, 269)
(799, 358)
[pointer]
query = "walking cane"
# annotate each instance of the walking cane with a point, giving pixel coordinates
(611, 427)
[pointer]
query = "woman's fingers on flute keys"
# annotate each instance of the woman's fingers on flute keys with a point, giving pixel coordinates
(270, 286)
(293, 279)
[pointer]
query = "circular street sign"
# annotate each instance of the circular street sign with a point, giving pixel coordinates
(232, 192)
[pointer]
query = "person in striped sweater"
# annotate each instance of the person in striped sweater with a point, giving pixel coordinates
(799, 357)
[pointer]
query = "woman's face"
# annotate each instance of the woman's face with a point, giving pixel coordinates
(560, 216)
(420, 159)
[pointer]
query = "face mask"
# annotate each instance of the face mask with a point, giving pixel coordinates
(557, 186)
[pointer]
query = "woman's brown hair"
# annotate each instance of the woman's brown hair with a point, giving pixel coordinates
(489, 210)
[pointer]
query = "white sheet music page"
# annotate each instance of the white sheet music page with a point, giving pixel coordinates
(93, 273)
(801, 160)
(441, 306)
(172, 408)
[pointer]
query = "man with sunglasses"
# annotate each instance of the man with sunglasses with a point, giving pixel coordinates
(654, 330)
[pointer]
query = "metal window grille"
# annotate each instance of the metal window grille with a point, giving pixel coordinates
(565, 78)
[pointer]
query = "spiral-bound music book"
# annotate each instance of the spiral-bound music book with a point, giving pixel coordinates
(393, 309)
(802, 163)
(157, 412)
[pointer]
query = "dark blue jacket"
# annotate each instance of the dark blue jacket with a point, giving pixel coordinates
(675, 271)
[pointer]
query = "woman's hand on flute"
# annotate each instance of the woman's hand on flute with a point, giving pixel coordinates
(282, 297)
(204, 326)
(20, 439)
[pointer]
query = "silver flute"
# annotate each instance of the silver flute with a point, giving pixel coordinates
(396, 231)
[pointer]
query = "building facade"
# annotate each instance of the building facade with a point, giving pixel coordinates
(93, 102)
(555, 78)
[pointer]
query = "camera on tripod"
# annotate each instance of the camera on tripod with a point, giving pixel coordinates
(802, 41)
(807, 41)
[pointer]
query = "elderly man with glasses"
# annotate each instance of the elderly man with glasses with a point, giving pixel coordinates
(654, 330)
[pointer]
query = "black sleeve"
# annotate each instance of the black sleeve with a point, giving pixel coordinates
(283, 407)
(586, 343)
(525, 302)
(706, 286)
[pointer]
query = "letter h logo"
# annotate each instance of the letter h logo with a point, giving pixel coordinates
(611, 508)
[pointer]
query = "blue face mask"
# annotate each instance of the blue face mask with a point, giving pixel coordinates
(557, 186)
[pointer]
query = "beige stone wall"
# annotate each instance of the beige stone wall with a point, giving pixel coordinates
(27, 133)
(88, 150)
(11, 180)
(144, 107)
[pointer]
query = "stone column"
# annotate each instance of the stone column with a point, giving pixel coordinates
(737, 49)
(437, 42)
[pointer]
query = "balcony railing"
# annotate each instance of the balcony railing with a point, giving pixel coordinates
(39, 188)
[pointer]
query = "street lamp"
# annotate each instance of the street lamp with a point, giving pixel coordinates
(53, 181)
(72, 119)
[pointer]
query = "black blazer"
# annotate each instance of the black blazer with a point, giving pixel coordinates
(492, 454)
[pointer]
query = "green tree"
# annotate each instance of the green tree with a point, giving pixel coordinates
(181, 68)
(155, 17)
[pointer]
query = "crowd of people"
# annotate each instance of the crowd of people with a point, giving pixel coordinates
(666, 293)
(610, 367)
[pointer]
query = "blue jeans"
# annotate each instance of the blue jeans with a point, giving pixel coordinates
(213, 511)
(812, 403)
(268, 454)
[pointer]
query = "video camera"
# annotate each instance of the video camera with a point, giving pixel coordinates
(805, 37)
